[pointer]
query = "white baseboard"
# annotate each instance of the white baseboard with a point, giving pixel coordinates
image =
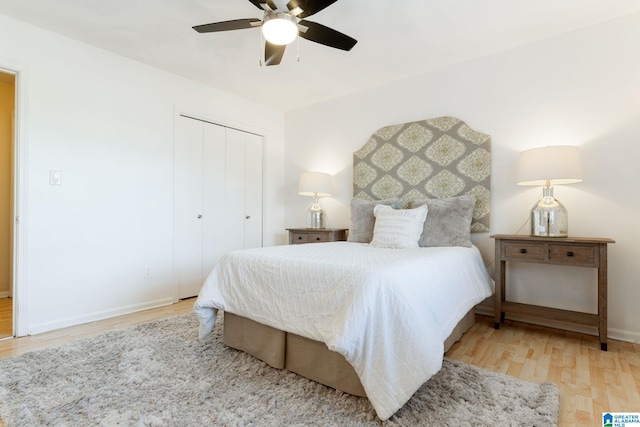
(623, 335)
(614, 334)
(4, 294)
(92, 317)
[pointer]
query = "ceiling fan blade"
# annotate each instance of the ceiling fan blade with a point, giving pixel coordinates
(309, 6)
(236, 24)
(257, 3)
(273, 53)
(327, 36)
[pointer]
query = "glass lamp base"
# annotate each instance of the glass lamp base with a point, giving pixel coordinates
(549, 218)
(316, 217)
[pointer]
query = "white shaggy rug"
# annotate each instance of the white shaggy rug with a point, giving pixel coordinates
(160, 374)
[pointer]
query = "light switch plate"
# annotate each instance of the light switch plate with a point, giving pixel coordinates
(55, 177)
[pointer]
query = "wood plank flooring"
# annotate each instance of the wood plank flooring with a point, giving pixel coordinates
(17, 346)
(590, 381)
(6, 317)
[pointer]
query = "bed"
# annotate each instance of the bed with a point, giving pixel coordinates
(364, 316)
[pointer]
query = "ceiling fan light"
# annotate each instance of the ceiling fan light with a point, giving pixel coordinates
(280, 28)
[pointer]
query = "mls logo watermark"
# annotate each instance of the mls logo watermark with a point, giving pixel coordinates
(620, 419)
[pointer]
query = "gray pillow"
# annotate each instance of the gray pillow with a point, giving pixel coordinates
(362, 219)
(448, 221)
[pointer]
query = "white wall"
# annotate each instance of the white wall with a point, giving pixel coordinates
(107, 123)
(581, 88)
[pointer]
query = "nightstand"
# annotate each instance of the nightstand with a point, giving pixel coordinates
(570, 251)
(316, 235)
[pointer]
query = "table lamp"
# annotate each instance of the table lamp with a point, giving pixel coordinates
(548, 166)
(315, 184)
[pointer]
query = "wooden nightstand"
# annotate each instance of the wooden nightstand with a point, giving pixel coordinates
(316, 235)
(571, 251)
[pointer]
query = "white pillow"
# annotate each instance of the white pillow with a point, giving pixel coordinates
(398, 228)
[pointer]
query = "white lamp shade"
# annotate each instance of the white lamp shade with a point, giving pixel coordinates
(558, 165)
(315, 184)
(280, 28)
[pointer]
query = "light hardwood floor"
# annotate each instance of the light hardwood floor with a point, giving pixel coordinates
(17, 346)
(590, 381)
(6, 317)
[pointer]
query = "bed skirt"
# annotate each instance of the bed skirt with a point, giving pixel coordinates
(309, 358)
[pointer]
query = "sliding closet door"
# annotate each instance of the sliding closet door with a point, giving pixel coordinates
(253, 191)
(214, 215)
(188, 190)
(235, 186)
(244, 188)
(218, 198)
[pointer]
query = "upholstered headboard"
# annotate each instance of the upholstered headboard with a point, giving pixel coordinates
(433, 158)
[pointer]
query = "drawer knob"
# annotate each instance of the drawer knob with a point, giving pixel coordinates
(523, 251)
(299, 237)
(569, 253)
(317, 238)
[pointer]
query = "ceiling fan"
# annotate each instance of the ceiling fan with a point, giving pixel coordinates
(282, 23)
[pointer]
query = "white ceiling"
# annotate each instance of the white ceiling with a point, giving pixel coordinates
(396, 39)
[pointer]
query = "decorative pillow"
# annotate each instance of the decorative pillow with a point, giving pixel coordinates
(398, 228)
(449, 221)
(362, 218)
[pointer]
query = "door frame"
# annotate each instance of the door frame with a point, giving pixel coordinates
(19, 280)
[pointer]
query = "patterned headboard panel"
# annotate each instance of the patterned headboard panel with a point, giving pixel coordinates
(434, 158)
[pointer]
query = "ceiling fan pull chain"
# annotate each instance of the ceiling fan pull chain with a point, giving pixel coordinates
(261, 50)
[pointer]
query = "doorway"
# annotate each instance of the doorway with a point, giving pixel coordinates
(7, 185)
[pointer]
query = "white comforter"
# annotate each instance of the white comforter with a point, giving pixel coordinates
(387, 311)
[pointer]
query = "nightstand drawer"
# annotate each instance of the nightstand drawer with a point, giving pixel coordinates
(299, 238)
(573, 255)
(523, 251)
(318, 237)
